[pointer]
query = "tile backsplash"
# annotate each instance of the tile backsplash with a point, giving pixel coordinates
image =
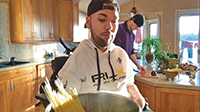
(0, 49)
(23, 51)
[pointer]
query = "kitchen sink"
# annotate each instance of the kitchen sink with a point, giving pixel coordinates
(14, 63)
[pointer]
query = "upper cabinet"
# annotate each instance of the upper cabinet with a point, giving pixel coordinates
(46, 7)
(65, 18)
(25, 20)
(42, 20)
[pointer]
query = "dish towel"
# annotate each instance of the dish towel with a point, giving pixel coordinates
(138, 36)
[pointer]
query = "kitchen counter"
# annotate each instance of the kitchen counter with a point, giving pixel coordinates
(33, 62)
(180, 95)
(181, 81)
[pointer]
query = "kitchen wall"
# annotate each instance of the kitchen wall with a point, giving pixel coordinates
(23, 51)
(165, 8)
(36, 50)
(26, 51)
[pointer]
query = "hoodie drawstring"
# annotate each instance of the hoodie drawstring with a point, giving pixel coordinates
(113, 73)
(99, 71)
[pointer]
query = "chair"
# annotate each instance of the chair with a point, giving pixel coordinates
(56, 65)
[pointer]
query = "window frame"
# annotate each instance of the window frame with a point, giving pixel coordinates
(147, 27)
(180, 13)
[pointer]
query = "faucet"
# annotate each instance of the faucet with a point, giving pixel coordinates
(12, 60)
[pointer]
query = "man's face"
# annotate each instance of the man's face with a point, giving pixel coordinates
(103, 25)
(133, 26)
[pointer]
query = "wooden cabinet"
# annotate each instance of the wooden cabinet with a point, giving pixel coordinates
(31, 20)
(4, 92)
(24, 20)
(170, 100)
(148, 92)
(16, 89)
(47, 19)
(42, 20)
(21, 92)
(43, 70)
(177, 100)
(65, 19)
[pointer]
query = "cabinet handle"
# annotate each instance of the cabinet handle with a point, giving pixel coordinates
(9, 85)
(13, 86)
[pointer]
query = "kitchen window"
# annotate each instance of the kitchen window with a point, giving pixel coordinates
(151, 28)
(187, 35)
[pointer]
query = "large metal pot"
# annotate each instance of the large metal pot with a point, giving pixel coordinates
(105, 102)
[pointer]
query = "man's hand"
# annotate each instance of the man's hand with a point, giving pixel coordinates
(141, 68)
(136, 96)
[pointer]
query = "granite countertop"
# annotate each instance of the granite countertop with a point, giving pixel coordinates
(33, 62)
(181, 81)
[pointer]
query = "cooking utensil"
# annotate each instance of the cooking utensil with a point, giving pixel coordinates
(105, 102)
(136, 71)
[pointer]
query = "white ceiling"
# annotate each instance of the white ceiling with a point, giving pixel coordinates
(84, 3)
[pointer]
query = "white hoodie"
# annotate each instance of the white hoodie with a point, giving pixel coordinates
(83, 67)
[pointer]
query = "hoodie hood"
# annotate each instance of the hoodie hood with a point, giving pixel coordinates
(90, 44)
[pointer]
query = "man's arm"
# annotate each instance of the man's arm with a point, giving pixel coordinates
(136, 96)
(134, 59)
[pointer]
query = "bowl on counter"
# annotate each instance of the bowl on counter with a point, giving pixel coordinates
(170, 75)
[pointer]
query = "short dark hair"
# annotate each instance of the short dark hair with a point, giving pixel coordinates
(96, 5)
(138, 19)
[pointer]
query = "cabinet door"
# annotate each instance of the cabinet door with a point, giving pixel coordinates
(40, 75)
(43, 70)
(47, 19)
(148, 92)
(16, 21)
(176, 100)
(37, 33)
(5, 98)
(31, 20)
(28, 24)
(48, 70)
(63, 19)
(21, 92)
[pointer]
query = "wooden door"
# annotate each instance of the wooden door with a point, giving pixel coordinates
(148, 92)
(27, 18)
(63, 19)
(177, 100)
(40, 75)
(5, 96)
(48, 70)
(37, 33)
(47, 19)
(5, 91)
(21, 92)
(16, 20)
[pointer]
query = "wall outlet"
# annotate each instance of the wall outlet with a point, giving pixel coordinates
(169, 47)
(18, 49)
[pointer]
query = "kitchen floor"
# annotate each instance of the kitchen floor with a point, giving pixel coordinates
(38, 108)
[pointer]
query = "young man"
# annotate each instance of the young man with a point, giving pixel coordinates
(97, 65)
(125, 37)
